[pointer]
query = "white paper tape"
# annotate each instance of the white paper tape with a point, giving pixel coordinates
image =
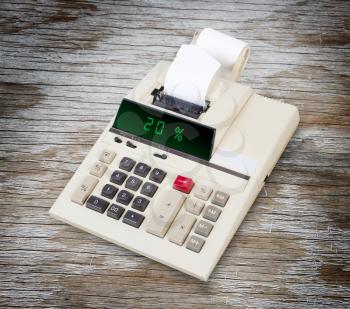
(190, 74)
(194, 66)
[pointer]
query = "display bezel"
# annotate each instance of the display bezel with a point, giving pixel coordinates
(203, 153)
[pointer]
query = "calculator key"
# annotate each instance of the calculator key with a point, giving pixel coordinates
(181, 228)
(157, 175)
(84, 190)
(118, 177)
(98, 169)
(140, 203)
(194, 206)
(115, 211)
(133, 183)
(195, 244)
(97, 204)
(149, 189)
(203, 228)
(220, 198)
(133, 218)
(109, 191)
(127, 164)
(107, 156)
(163, 214)
(124, 197)
(142, 169)
(201, 191)
(212, 213)
(183, 184)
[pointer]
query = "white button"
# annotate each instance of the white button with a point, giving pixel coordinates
(163, 214)
(201, 191)
(107, 156)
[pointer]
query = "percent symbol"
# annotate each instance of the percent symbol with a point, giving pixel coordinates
(178, 134)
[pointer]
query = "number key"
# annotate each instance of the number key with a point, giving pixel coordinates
(118, 177)
(142, 169)
(140, 203)
(127, 164)
(124, 197)
(149, 189)
(157, 175)
(133, 183)
(97, 204)
(109, 191)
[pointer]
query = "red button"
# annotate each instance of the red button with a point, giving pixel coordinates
(183, 184)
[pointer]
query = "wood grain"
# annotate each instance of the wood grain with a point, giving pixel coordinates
(65, 66)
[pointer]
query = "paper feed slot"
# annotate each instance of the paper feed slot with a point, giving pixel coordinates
(177, 105)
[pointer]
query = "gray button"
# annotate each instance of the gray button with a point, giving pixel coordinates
(220, 198)
(195, 244)
(203, 228)
(212, 213)
(133, 183)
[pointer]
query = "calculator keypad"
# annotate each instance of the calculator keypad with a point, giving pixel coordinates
(194, 224)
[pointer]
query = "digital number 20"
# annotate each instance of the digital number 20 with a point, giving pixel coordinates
(159, 126)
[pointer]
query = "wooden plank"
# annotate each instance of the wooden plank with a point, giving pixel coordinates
(65, 66)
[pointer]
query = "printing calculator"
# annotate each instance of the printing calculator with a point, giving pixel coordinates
(178, 167)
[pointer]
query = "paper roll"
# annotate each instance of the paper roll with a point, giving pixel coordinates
(230, 52)
(190, 74)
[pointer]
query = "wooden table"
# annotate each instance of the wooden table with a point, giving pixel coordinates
(66, 65)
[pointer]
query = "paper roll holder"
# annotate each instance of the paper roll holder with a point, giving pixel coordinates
(177, 105)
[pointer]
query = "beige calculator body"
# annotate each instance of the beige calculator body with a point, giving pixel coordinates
(170, 206)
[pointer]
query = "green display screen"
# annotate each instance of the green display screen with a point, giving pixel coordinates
(165, 129)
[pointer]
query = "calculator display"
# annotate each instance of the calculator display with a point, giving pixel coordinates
(165, 129)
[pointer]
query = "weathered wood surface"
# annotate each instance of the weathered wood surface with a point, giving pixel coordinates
(65, 65)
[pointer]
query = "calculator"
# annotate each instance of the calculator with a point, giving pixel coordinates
(171, 180)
